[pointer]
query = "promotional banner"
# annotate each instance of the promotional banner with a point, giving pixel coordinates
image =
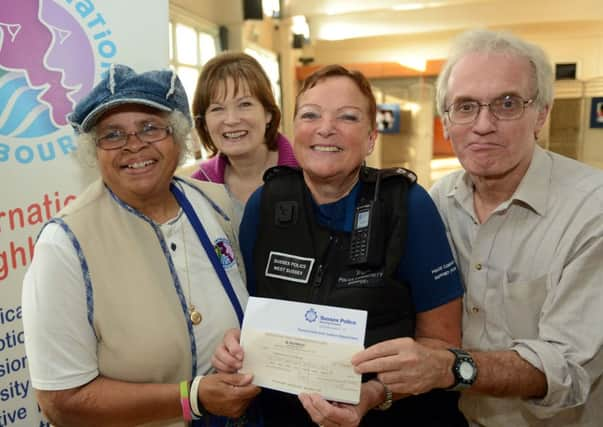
(52, 52)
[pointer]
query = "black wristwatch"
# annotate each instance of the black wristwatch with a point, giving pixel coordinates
(464, 370)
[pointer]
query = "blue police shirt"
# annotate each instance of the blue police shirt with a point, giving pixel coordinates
(427, 265)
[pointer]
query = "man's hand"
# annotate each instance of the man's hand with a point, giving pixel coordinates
(405, 366)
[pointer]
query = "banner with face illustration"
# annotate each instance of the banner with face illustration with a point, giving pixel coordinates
(52, 52)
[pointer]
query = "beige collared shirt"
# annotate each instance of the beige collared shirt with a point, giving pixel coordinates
(533, 274)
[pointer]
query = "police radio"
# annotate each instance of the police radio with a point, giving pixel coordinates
(367, 240)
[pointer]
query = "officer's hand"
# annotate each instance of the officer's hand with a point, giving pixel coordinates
(228, 357)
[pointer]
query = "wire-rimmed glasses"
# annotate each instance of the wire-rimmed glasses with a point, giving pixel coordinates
(507, 107)
(117, 138)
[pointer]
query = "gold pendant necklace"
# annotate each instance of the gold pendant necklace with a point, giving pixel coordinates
(193, 314)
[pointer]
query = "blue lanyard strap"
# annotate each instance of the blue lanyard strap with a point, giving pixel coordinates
(209, 249)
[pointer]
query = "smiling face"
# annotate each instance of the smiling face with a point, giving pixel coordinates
(236, 122)
(333, 132)
(491, 148)
(139, 172)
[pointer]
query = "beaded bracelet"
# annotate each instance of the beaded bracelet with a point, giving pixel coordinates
(184, 401)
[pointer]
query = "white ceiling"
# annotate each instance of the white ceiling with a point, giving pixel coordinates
(340, 19)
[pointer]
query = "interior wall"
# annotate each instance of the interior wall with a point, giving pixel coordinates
(268, 34)
(592, 148)
(223, 12)
(570, 42)
(408, 148)
(581, 43)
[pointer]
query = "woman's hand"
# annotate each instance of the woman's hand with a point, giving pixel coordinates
(331, 414)
(228, 357)
(227, 394)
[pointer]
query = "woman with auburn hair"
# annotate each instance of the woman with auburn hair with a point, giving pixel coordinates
(237, 119)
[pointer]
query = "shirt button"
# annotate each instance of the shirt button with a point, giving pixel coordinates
(474, 310)
(478, 266)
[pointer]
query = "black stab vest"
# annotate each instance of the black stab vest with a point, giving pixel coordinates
(331, 281)
(288, 227)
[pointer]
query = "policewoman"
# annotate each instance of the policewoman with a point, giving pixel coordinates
(134, 283)
(362, 238)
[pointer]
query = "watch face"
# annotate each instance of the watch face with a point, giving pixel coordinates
(466, 371)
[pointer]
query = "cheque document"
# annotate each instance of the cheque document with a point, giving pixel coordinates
(302, 365)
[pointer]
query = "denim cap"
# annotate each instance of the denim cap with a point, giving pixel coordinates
(159, 89)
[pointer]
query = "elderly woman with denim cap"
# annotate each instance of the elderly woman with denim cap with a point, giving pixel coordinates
(134, 283)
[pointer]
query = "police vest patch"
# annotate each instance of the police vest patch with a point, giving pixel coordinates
(289, 267)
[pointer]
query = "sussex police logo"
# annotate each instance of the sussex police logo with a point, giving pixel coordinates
(311, 315)
(50, 55)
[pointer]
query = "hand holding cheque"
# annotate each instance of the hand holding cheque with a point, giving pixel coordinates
(303, 349)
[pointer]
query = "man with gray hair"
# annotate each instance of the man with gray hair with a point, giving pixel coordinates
(527, 228)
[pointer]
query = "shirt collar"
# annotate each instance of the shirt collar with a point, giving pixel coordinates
(533, 190)
(338, 215)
